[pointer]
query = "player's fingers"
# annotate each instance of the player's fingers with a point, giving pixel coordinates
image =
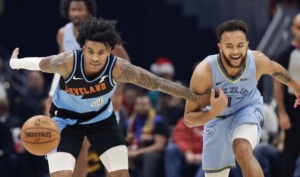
(15, 53)
(296, 104)
(212, 93)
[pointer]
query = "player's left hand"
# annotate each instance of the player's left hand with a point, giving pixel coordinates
(15, 54)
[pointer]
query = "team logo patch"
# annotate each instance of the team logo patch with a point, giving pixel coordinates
(97, 103)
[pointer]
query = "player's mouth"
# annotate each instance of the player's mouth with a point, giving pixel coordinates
(95, 66)
(236, 57)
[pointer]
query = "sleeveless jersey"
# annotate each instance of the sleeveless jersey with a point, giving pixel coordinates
(82, 100)
(241, 90)
(69, 40)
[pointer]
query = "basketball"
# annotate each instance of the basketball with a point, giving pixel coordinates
(40, 135)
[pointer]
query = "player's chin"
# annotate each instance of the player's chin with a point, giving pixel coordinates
(236, 62)
(95, 68)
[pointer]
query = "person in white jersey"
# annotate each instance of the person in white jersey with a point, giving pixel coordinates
(76, 11)
(233, 121)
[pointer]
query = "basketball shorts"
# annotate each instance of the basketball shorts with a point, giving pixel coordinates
(218, 136)
(102, 135)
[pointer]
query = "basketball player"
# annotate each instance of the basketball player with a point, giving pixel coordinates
(289, 118)
(81, 103)
(76, 11)
(234, 120)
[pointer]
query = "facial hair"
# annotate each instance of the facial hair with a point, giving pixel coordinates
(227, 61)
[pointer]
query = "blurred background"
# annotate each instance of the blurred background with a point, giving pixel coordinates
(183, 30)
(180, 31)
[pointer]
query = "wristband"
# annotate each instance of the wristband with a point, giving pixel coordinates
(29, 63)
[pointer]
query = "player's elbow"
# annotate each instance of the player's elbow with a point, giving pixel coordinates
(187, 122)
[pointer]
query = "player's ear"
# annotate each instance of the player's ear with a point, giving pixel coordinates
(219, 46)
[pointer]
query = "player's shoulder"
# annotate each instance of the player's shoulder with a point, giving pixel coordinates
(202, 66)
(257, 54)
(61, 31)
(67, 56)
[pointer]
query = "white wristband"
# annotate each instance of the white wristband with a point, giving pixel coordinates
(29, 63)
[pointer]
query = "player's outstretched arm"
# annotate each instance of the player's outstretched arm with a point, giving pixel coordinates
(61, 63)
(128, 73)
(266, 66)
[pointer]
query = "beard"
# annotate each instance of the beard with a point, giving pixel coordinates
(227, 61)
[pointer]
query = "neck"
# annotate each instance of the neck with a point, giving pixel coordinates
(296, 43)
(75, 31)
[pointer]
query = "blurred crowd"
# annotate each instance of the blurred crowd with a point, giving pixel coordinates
(159, 143)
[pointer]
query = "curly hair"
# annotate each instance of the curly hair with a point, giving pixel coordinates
(99, 30)
(64, 7)
(231, 25)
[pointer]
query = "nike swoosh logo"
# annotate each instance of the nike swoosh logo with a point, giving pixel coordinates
(244, 79)
(77, 78)
(102, 78)
(218, 83)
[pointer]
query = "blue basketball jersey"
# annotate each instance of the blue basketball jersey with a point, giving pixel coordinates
(240, 90)
(245, 106)
(80, 100)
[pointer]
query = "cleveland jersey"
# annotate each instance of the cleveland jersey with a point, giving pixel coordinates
(241, 90)
(69, 40)
(82, 100)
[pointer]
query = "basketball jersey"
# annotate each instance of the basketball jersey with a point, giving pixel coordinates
(81, 100)
(241, 90)
(69, 40)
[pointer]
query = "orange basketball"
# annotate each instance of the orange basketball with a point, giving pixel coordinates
(40, 135)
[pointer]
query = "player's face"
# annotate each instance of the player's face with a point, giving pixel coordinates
(296, 28)
(233, 47)
(142, 106)
(95, 56)
(78, 11)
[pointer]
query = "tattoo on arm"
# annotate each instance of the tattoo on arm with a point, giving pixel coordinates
(283, 77)
(45, 65)
(57, 64)
(145, 79)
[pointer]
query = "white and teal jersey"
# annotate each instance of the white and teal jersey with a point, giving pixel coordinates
(69, 40)
(240, 90)
(81, 100)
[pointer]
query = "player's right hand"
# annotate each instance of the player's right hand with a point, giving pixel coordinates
(218, 101)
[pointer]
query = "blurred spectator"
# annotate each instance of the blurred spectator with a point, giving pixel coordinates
(36, 92)
(130, 92)
(170, 107)
(289, 119)
(267, 151)
(6, 117)
(3, 93)
(169, 110)
(146, 136)
(164, 68)
(183, 155)
(8, 158)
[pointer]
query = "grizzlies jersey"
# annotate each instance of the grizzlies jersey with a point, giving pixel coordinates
(69, 40)
(81, 100)
(241, 90)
